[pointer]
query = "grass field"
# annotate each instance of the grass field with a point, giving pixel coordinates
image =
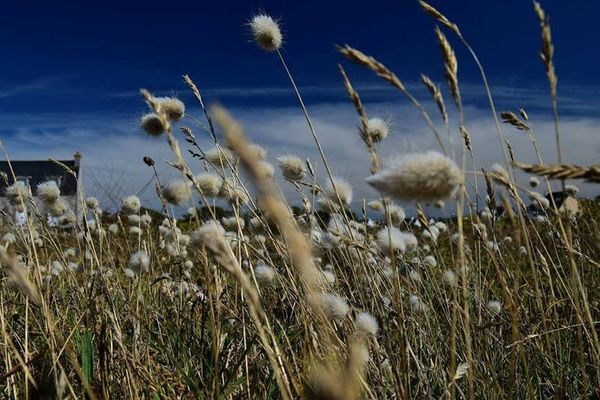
(332, 297)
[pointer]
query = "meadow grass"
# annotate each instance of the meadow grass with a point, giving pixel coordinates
(251, 297)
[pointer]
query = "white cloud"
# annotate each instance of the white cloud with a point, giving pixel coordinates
(113, 146)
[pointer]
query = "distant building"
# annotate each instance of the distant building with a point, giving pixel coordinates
(32, 173)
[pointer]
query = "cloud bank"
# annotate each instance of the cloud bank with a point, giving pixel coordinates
(113, 146)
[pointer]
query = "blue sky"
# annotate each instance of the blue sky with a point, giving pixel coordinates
(71, 72)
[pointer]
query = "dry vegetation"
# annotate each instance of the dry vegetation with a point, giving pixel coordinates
(319, 303)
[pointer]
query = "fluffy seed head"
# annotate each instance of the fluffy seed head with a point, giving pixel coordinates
(209, 184)
(92, 203)
(292, 167)
(375, 205)
(207, 233)
(48, 191)
(391, 240)
(571, 190)
(264, 274)
(333, 306)
(68, 218)
(15, 192)
(449, 278)
(500, 170)
(378, 129)
(233, 192)
(494, 306)
(264, 168)
(177, 192)
(417, 304)
(430, 261)
(539, 201)
(427, 176)
(139, 262)
(131, 205)
(258, 151)
(343, 189)
(366, 323)
(397, 214)
(219, 157)
(266, 32)
(113, 228)
(9, 238)
(57, 207)
(172, 107)
(534, 181)
(152, 124)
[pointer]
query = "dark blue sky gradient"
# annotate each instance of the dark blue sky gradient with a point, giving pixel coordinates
(67, 56)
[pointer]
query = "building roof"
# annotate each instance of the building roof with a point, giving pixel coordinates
(41, 171)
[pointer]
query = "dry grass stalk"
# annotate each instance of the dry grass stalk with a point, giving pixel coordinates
(563, 171)
(364, 121)
(436, 93)
(450, 65)
(466, 136)
(547, 56)
(440, 17)
(383, 72)
(273, 206)
(509, 117)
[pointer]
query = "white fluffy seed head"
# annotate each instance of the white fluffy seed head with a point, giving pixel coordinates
(534, 181)
(113, 228)
(48, 191)
(131, 205)
(571, 190)
(264, 168)
(392, 240)
(92, 203)
(417, 304)
(378, 129)
(397, 214)
(233, 192)
(539, 201)
(449, 278)
(494, 306)
(430, 261)
(9, 238)
(343, 189)
(177, 192)
(57, 207)
(500, 170)
(258, 151)
(292, 167)
(219, 157)
(207, 234)
(208, 184)
(152, 124)
(366, 323)
(172, 107)
(16, 192)
(133, 219)
(266, 32)
(375, 205)
(68, 218)
(139, 262)
(264, 274)
(427, 176)
(146, 219)
(333, 306)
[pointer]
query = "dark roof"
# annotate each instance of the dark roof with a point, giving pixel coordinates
(41, 171)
